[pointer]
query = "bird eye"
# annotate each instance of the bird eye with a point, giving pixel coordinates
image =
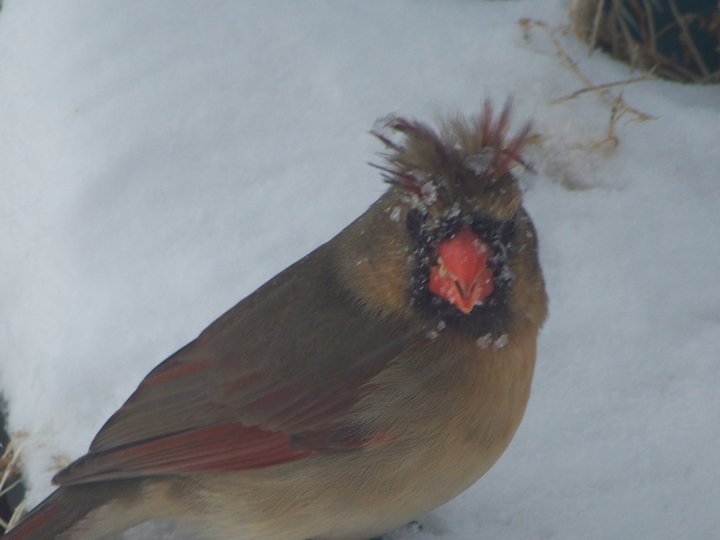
(413, 222)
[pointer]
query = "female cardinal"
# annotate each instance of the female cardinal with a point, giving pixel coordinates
(368, 383)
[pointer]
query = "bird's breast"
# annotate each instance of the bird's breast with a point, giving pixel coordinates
(466, 417)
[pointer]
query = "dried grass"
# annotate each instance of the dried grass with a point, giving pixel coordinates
(10, 479)
(677, 40)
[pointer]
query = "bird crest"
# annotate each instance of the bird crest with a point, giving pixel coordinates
(468, 161)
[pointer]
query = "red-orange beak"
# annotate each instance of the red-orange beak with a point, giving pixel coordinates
(461, 275)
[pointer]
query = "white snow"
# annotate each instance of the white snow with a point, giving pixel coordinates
(160, 160)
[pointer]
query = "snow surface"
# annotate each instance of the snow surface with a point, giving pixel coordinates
(160, 160)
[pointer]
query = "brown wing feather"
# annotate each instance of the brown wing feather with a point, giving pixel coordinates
(252, 383)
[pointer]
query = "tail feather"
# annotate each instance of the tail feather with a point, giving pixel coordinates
(83, 512)
(49, 519)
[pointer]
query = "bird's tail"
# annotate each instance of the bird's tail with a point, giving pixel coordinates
(84, 512)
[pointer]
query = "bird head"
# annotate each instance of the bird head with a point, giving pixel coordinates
(451, 233)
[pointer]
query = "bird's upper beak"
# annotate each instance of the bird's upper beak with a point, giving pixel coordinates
(461, 275)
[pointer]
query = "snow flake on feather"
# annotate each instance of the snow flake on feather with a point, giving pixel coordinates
(480, 162)
(454, 212)
(484, 341)
(501, 342)
(434, 333)
(428, 192)
(394, 213)
(488, 340)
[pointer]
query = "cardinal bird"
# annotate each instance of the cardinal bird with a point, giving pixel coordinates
(371, 381)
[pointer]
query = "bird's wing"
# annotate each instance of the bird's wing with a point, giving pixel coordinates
(269, 382)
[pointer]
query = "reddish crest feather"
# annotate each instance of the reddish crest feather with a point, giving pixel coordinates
(487, 132)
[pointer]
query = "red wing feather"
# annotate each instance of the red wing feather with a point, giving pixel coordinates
(230, 447)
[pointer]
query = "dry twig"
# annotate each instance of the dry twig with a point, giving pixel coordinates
(600, 87)
(618, 106)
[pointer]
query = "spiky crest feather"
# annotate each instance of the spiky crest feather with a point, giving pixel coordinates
(466, 158)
